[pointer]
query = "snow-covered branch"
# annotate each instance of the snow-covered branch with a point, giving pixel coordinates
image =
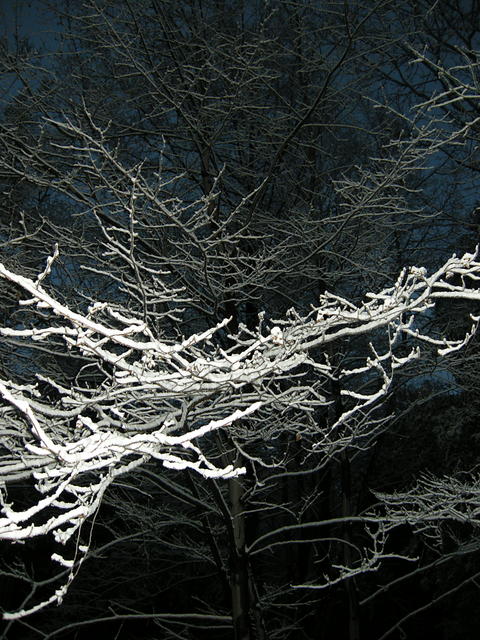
(162, 400)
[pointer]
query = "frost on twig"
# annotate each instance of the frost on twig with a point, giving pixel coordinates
(367, 559)
(160, 400)
(432, 502)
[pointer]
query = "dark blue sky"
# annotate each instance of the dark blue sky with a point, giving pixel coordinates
(31, 20)
(27, 18)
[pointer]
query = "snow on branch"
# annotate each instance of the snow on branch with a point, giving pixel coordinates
(432, 502)
(160, 400)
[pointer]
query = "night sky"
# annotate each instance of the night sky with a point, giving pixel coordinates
(28, 19)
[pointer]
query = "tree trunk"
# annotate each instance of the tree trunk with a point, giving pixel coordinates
(239, 566)
(347, 510)
(350, 587)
